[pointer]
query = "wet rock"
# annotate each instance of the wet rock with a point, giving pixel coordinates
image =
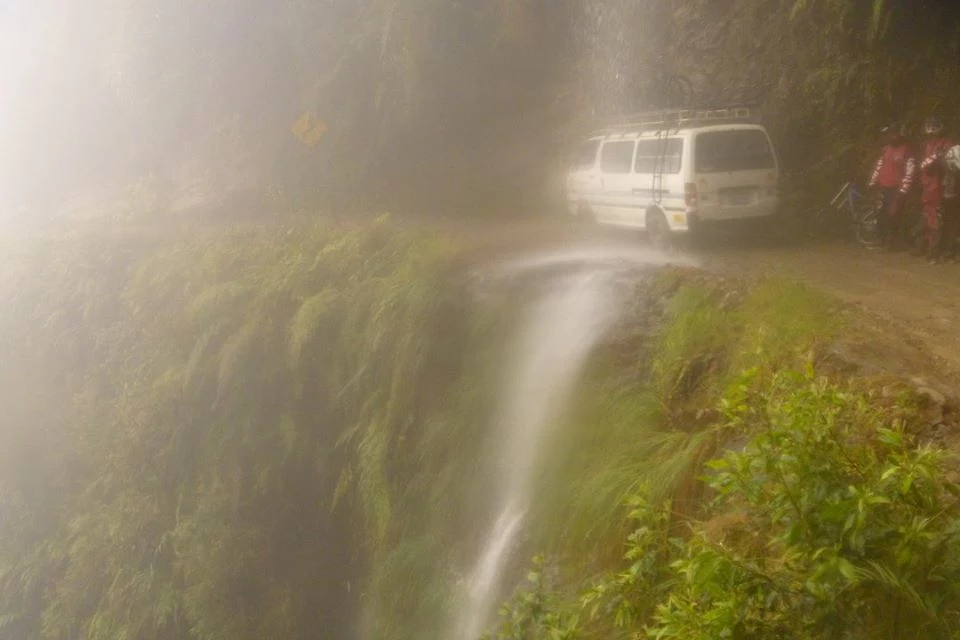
(933, 395)
(872, 360)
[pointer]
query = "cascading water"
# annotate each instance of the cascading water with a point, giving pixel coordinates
(556, 339)
(567, 321)
(557, 335)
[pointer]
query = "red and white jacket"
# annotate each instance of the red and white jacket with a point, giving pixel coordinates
(932, 170)
(895, 168)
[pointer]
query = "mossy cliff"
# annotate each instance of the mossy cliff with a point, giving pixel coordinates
(284, 433)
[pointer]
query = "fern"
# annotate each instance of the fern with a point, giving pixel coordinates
(9, 619)
(236, 356)
(197, 445)
(877, 18)
(886, 576)
(307, 321)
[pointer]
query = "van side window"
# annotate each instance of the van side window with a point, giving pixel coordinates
(586, 155)
(650, 154)
(616, 157)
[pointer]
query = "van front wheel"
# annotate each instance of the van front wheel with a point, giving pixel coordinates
(658, 231)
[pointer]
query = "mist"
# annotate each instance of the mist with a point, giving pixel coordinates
(475, 319)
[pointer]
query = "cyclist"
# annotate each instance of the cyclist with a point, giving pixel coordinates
(933, 171)
(893, 175)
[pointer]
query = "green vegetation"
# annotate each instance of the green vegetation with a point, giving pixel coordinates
(766, 500)
(444, 494)
(831, 522)
(647, 411)
(282, 432)
(208, 442)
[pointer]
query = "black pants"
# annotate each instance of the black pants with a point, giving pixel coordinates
(890, 222)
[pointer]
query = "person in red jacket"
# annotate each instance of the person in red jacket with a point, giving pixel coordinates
(893, 175)
(932, 175)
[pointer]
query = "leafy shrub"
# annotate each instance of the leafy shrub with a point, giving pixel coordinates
(646, 413)
(831, 522)
(844, 528)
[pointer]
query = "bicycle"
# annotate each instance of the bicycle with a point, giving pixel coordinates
(862, 212)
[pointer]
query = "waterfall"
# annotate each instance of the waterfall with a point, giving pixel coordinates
(555, 340)
(562, 325)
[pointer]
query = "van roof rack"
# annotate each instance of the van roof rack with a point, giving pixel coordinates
(661, 119)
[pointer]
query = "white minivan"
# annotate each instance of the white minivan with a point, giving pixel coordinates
(673, 171)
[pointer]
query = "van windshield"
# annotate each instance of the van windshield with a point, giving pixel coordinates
(743, 150)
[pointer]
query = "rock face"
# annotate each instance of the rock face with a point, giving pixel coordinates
(900, 364)
(825, 74)
(896, 368)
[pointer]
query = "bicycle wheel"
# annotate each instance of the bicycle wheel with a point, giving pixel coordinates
(868, 229)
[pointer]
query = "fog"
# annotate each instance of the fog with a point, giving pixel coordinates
(119, 107)
(370, 319)
(133, 108)
(102, 96)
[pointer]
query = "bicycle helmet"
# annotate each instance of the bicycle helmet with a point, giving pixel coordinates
(952, 159)
(933, 126)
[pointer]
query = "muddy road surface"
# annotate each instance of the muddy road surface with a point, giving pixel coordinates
(914, 302)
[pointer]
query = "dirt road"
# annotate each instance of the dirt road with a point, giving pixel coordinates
(918, 301)
(915, 302)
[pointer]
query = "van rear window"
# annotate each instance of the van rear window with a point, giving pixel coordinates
(743, 150)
